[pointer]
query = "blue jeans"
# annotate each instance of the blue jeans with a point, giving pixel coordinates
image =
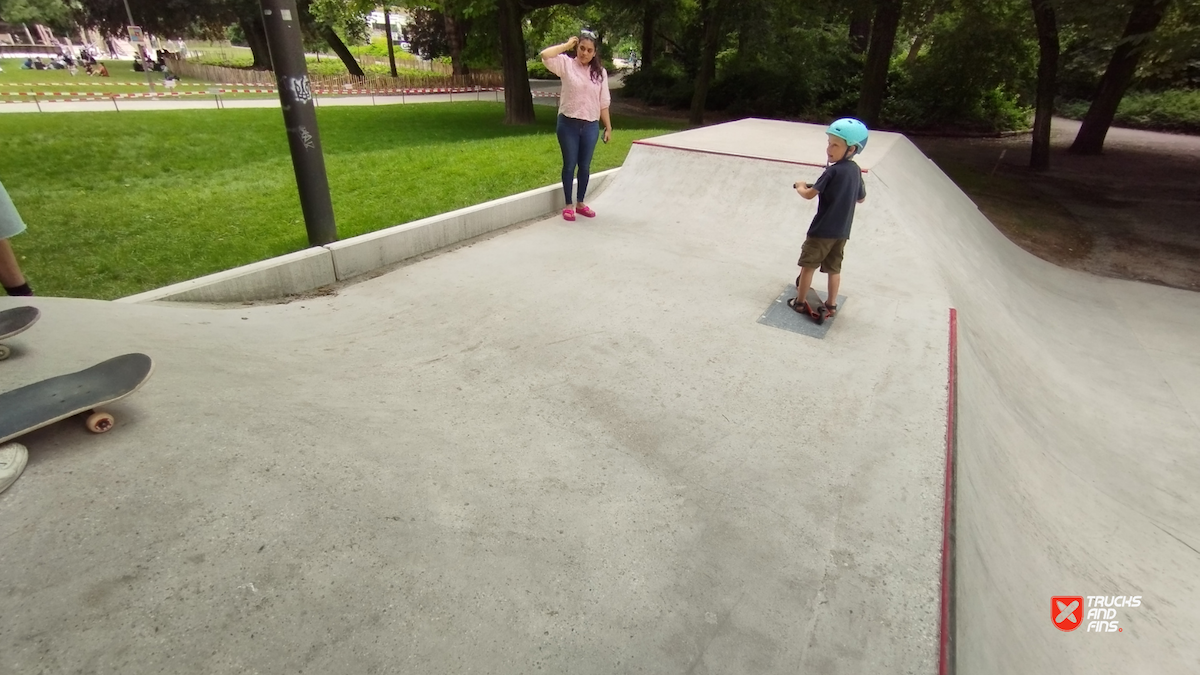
(577, 138)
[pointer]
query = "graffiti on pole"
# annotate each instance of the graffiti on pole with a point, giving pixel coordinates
(299, 89)
(307, 138)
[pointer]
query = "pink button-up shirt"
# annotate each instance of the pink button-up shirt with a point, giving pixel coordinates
(581, 98)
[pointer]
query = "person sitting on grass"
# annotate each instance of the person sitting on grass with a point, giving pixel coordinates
(28, 64)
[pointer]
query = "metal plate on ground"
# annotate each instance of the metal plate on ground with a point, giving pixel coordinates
(779, 315)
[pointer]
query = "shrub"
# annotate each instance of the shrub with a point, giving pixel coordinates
(378, 48)
(977, 75)
(1177, 110)
(538, 71)
(1173, 111)
(663, 84)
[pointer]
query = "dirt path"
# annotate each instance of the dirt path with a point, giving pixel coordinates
(1131, 213)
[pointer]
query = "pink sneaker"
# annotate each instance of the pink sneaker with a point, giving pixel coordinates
(568, 214)
(586, 211)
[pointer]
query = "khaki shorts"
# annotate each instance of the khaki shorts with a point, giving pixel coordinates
(823, 253)
(10, 221)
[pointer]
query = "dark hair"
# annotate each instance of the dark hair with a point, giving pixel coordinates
(596, 64)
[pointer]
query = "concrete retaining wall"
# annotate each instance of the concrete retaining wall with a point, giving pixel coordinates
(320, 266)
(288, 274)
(367, 252)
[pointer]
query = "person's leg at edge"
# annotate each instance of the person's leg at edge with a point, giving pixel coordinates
(568, 142)
(832, 266)
(589, 136)
(806, 278)
(10, 272)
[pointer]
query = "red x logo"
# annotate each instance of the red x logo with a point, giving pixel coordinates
(1066, 611)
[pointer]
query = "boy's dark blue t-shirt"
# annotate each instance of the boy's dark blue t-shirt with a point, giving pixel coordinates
(841, 187)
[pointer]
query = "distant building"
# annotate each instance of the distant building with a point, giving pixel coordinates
(398, 16)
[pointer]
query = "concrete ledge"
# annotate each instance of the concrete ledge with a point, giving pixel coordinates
(315, 267)
(368, 252)
(286, 275)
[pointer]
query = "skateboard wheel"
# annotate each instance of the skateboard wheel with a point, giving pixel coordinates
(100, 422)
(4, 352)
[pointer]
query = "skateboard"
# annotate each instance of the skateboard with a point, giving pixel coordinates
(816, 303)
(57, 398)
(14, 321)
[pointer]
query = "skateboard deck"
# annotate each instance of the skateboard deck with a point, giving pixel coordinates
(14, 321)
(57, 398)
(814, 301)
(778, 314)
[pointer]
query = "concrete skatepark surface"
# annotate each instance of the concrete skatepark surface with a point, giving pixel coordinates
(573, 448)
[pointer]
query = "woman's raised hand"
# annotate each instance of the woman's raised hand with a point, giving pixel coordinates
(572, 42)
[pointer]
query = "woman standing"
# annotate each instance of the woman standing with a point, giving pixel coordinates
(582, 106)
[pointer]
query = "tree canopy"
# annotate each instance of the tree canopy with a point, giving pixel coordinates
(909, 64)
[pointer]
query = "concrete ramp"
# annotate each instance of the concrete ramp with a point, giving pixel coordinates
(1078, 447)
(573, 448)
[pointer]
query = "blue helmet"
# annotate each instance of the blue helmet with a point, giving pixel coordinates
(850, 130)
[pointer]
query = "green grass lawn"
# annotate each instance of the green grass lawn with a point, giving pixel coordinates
(222, 49)
(223, 54)
(328, 64)
(122, 80)
(122, 203)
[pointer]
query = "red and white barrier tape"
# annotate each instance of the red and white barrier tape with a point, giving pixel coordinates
(77, 97)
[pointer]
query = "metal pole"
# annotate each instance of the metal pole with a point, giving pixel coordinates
(138, 55)
(282, 23)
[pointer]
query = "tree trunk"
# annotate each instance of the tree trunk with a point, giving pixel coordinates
(708, 59)
(648, 21)
(914, 50)
(1047, 79)
(518, 99)
(256, 37)
(879, 56)
(1143, 21)
(387, 28)
(921, 34)
(860, 27)
(456, 40)
(342, 51)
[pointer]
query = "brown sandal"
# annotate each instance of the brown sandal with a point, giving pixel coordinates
(802, 307)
